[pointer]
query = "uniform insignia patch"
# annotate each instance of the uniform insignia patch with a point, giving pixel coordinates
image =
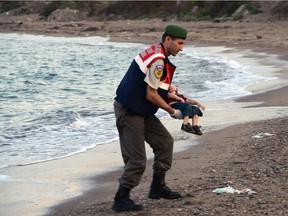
(158, 71)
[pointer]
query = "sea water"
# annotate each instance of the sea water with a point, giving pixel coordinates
(56, 93)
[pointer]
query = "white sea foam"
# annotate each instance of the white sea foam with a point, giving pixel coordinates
(4, 178)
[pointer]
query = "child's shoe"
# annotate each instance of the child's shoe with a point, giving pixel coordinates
(187, 127)
(197, 130)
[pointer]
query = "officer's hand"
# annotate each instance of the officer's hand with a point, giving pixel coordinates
(177, 114)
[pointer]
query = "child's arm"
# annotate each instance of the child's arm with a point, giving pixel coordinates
(195, 102)
(175, 97)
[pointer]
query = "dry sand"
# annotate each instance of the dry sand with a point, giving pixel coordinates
(230, 155)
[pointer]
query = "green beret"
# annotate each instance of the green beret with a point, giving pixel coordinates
(176, 31)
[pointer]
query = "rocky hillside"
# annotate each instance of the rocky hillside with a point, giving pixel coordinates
(166, 10)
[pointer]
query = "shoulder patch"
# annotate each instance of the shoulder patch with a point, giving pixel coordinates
(158, 71)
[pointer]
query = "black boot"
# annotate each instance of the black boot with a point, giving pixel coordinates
(122, 201)
(159, 189)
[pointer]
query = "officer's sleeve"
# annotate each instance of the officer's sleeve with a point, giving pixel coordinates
(154, 74)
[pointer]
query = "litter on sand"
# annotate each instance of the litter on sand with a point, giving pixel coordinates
(261, 135)
(232, 190)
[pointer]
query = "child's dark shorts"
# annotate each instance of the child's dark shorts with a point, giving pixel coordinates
(187, 109)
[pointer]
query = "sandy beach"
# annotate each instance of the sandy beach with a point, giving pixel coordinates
(244, 144)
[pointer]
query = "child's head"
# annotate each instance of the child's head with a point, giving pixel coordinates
(172, 88)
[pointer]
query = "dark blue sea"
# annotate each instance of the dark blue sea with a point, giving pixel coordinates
(56, 93)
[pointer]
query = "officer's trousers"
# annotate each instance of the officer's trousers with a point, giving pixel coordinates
(133, 131)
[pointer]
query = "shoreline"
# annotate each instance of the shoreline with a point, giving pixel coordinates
(107, 183)
(90, 202)
(89, 181)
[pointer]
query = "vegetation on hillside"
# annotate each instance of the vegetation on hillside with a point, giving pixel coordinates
(192, 10)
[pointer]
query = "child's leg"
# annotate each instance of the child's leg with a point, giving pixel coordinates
(186, 110)
(185, 120)
(195, 125)
(195, 120)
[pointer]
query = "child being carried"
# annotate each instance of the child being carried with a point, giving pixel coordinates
(189, 108)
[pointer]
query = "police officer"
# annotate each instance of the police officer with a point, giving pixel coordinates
(140, 94)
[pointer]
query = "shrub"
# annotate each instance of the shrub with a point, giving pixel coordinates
(6, 6)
